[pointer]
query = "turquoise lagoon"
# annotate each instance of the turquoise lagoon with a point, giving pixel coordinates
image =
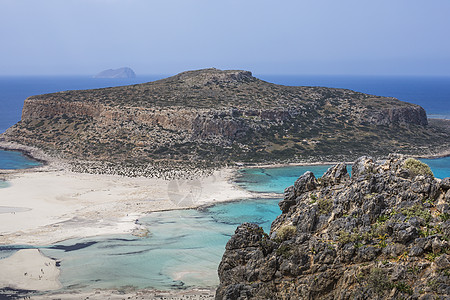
(275, 180)
(184, 247)
(439, 166)
(12, 160)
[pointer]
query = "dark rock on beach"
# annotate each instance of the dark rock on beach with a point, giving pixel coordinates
(382, 233)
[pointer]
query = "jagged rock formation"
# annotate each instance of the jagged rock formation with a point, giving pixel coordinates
(215, 117)
(117, 73)
(381, 234)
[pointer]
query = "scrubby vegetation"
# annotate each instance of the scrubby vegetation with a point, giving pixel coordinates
(417, 167)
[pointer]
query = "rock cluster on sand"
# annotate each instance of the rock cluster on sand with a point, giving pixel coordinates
(383, 233)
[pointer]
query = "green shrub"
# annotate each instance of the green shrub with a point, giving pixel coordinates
(325, 206)
(378, 281)
(417, 167)
(346, 237)
(417, 211)
(286, 232)
(284, 251)
(404, 288)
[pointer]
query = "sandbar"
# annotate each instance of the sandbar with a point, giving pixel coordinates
(47, 205)
(29, 269)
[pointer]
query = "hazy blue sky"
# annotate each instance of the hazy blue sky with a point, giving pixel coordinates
(169, 36)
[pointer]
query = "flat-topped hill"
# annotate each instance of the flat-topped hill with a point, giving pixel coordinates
(211, 117)
(213, 88)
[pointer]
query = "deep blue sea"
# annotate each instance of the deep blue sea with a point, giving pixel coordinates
(184, 247)
(14, 90)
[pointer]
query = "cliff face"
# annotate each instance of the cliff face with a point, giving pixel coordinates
(221, 116)
(381, 234)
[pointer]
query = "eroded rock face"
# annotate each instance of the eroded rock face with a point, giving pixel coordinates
(381, 234)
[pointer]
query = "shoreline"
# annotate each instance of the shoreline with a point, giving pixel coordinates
(53, 204)
(150, 194)
(60, 205)
(30, 152)
(333, 163)
(100, 294)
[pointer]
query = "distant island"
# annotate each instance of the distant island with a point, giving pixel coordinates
(211, 118)
(117, 73)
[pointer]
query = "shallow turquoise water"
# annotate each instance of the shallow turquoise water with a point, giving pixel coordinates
(12, 160)
(439, 166)
(184, 247)
(3, 184)
(183, 250)
(275, 180)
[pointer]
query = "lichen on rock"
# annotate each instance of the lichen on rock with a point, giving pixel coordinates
(383, 233)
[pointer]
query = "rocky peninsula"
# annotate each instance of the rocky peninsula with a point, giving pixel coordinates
(382, 233)
(210, 118)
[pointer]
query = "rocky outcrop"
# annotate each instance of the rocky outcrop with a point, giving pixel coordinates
(382, 233)
(399, 115)
(222, 116)
(117, 73)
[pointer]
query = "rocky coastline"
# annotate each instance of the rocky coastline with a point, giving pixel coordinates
(382, 233)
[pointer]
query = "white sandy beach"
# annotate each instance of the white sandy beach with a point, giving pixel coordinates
(44, 207)
(29, 269)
